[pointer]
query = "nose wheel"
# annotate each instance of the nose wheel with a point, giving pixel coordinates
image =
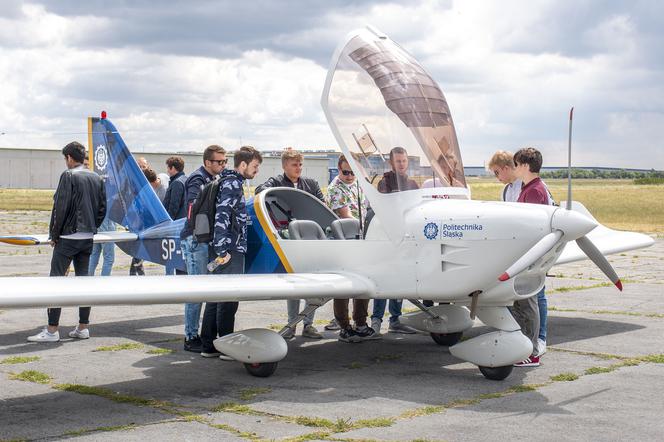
(262, 369)
(496, 373)
(447, 339)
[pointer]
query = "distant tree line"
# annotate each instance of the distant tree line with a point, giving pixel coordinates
(653, 175)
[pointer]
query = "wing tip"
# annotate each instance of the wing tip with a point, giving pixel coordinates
(618, 284)
(504, 277)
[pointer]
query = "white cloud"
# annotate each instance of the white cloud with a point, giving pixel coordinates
(510, 71)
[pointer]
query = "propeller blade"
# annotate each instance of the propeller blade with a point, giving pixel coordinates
(600, 261)
(536, 252)
(569, 161)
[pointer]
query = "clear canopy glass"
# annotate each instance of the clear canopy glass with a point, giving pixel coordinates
(393, 118)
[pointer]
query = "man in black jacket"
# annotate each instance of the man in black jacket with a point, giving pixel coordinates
(291, 163)
(174, 201)
(79, 207)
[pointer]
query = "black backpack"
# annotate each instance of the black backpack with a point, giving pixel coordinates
(201, 217)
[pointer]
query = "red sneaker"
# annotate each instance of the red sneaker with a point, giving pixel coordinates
(532, 361)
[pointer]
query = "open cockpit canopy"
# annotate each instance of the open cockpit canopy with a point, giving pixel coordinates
(392, 117)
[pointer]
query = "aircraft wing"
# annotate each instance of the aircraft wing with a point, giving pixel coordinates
(608, 241)
(37, 240)
(177, 289)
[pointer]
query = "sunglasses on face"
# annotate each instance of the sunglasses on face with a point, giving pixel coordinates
(347, 173)
(219, 162)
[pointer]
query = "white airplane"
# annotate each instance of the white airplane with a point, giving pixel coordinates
(427, 241)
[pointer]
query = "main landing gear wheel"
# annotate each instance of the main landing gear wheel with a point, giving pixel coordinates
(496, 373)
(261, 370)
(448, 339)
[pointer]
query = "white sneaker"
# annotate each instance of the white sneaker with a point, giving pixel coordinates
(541, 347)
(375, 324)
(225, 357)
(79, 334)
(45, 336)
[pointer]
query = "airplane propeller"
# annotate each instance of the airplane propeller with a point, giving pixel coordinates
(573, 227)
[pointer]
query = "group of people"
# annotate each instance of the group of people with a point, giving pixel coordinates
(79, 210)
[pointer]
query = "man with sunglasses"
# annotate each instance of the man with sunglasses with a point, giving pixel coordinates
(347, 201)
(291, 163)
(196, 254)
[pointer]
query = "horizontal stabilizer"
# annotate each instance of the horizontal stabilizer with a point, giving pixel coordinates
(607, 241)
(129, 290)
(37, 240)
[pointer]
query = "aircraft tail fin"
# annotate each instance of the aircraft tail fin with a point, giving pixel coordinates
(131, 201)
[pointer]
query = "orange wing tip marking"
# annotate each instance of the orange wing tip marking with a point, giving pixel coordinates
(504, 277)
(19, 242)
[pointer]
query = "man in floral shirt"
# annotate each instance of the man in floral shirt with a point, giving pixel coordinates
(347, 201)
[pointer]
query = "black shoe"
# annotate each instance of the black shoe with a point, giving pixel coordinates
(366, 333)
(349, 335)
(194, 344)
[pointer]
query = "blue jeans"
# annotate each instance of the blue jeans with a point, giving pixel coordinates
(543, 311)
(293, 307)
(196, 259)
(379, 309)
(108, 251)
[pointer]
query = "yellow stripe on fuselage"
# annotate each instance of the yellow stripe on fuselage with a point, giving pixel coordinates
(91, 157)
(270, 236)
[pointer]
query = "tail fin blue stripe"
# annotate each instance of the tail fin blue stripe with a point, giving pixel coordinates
(131, 201)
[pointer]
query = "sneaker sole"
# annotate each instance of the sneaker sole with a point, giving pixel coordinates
(210, 355)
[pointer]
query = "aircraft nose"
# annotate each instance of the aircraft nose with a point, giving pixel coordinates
(573, 224)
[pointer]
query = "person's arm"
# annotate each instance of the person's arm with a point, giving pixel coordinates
(227, 200)
(339, 202)
(193, 189)
(316, 191)
(173, 199)
(101, 213)
(61, 205)
(271, 182)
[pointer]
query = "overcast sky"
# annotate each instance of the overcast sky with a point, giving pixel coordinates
(181, 75)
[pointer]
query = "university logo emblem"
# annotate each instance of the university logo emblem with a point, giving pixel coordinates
(101, 157)
(431, 231)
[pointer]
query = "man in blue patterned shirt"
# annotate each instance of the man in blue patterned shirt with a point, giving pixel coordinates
(228, 245)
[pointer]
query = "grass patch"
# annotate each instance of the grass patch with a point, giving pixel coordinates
(111, 395)
(159, 351)
(26, 199)
(275, 327)
(356, 365)
(235, 431)
(100, 429)
(490, 396)
(640, 207)
(20, 359)
(608, 312)
(249, 393)
(564, 377)
(579, 287)
(422, 411)
(120, 347)
(387, 357)
(462, 403)
(31, 376)
(318, 435)
(523, 388)
(599, 370)
(233, 407)
(375, 423)
(657, 359)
